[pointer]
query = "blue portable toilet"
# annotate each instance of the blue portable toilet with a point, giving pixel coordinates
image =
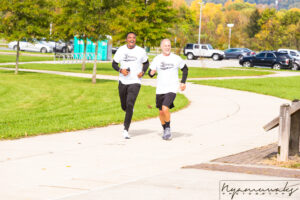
(102, 53)
(102, 50)
(78, 48)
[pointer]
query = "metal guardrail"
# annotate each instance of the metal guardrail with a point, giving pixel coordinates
(69, 58)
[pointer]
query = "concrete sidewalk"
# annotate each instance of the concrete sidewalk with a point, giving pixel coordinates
(98, 164)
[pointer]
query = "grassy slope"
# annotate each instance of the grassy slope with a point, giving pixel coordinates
(33, 104)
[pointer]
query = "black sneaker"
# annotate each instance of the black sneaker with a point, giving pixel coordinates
(167, 134)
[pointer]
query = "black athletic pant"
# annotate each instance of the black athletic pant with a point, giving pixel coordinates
(128, 95)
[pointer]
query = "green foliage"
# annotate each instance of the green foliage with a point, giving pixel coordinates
(82, 18)
(25, 19)
(183, 31)
(290, 17)
(253, 27)
(151, 21)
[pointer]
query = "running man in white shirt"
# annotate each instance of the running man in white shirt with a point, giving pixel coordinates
(134, 63)
(166, 65)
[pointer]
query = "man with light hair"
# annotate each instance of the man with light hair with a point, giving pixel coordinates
(166, 66)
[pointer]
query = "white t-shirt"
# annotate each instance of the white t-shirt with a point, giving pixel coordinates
(167, 72)
(133, 59)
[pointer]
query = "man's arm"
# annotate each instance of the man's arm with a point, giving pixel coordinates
(115, 65)
(184, 74)
(145, 67)
(184, 77)
(151, 73)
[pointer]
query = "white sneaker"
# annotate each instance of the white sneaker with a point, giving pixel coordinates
(126, 134)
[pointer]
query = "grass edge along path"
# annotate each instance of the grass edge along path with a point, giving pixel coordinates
(35, 104)
(281, 87)
(23, 58)
(106, 69)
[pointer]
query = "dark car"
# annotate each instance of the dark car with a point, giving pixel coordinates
(238, 53)
(296, 64)
(273, 59)
(114, 50)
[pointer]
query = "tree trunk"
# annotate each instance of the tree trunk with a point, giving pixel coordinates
(17, 57)
(95, 64)
(84, 55)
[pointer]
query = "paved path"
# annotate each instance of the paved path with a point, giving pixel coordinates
(98, 164)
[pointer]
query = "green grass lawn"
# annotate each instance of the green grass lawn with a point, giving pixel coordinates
(23, 58)
(283, 87)
(106, 69)
(195, 72)
(34, 104)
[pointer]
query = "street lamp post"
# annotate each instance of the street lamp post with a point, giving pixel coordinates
(229, 26)
(201, 3)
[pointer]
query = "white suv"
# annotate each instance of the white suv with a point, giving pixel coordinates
(292, 52)
(194, 51)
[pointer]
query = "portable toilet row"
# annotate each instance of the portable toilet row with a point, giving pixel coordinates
(104, 49)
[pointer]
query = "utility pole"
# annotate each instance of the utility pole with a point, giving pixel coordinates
(229, 26)
(201, 3)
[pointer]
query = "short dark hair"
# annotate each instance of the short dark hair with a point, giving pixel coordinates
(130, 33)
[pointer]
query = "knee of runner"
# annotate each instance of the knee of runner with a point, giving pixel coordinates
(165, 109)
(129, 106)
(161, 112)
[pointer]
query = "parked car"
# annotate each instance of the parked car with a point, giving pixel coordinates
(294, 54)
(238, 53)
(59, 46)
(35, 46)
(194, 51)
(114, 50)
(296, 64)
(273, 59)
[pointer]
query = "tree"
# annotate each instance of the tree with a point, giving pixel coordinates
(270, 36)
(80, 18)
(184, 29)
(85, 19)
(253, 27)
(151, 20)
(25, 19)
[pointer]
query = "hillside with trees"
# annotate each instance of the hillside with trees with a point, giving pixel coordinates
(255, 27)
(282, 4)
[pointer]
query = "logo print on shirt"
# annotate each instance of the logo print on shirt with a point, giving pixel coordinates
(165, 66)
(129, 58)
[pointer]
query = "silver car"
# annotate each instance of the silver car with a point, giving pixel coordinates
(35, 46)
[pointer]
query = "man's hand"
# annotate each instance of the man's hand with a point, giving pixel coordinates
(182, 86)
(152, 72)
(141, 74)
(124, 72)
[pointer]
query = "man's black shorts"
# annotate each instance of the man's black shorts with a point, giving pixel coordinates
(166, 100)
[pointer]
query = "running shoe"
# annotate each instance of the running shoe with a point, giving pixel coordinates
(167, 134)
(126, 134)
